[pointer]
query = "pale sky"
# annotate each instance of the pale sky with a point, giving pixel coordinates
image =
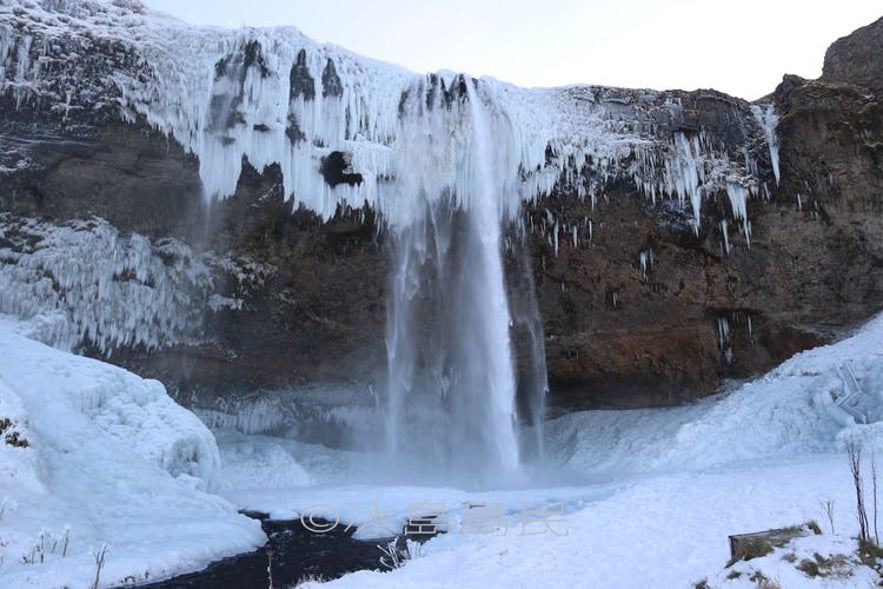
(742, 47)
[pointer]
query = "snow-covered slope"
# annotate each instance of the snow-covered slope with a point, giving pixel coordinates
(102, 457)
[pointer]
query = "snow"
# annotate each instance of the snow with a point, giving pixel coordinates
(641, 498)
(669, 531)
(111, 460)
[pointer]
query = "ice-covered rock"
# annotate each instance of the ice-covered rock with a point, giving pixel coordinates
(104, 458)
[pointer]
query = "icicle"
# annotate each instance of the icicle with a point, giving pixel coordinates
(646, 260)
(769, 120)
(555, 231)
(723, 328)
(332, 121)
(738, 196)
(726, 237)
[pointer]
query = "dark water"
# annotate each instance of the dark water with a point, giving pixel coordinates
(293, 553)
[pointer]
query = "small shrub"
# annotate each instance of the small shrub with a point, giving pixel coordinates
(703, 584)
(99, 564)
(751, 548)
(14, 439)
(854, 456)
(828, 504)
(836, 565)
(47, 543)
(309, 579)
(734, 575)
(869, 553)
(809, 568)
(10, 435)
(763, 582)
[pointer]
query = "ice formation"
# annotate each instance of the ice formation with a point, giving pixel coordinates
(114, 460)
(84, 282)
(738, 196)
(646, 260)
(769, 120)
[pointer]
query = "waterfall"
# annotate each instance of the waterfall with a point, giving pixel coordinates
(452, 377)
(445, 161)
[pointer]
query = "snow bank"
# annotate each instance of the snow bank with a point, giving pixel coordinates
(110, 459)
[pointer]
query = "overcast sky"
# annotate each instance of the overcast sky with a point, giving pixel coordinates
(741, 47)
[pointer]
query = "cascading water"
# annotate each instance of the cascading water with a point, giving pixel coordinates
(528, 344)
(452, 374)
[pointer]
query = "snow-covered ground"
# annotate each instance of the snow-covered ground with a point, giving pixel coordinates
(102, 458)
(643, 498)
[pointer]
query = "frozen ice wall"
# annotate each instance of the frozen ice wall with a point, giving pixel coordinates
(84, 282)
(769, 120)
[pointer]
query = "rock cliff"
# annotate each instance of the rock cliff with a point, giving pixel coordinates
(675, 239)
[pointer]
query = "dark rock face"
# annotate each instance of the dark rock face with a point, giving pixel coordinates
(855, 59)
(135, 178)
(637, 309)
(319, 314)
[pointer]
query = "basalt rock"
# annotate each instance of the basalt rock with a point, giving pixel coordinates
(855, 59)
